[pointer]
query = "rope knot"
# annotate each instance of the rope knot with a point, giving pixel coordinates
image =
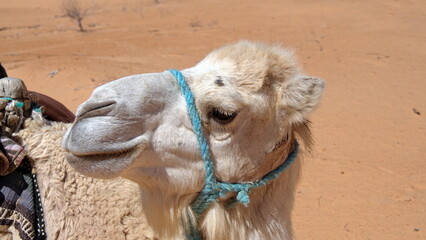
(222, 194)
(243, 196)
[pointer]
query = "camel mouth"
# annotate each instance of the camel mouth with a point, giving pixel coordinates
(103, 165)
(103, 155)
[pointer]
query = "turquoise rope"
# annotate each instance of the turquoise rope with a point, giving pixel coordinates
(17, 104)
(21, 104)
(7, 98)
(213, 189)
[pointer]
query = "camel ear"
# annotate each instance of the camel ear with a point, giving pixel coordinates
(300, 96)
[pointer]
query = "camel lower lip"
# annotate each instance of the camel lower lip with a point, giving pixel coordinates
(103, 165)
(101, 156)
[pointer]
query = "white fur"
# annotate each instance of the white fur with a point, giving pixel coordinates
(137, 127)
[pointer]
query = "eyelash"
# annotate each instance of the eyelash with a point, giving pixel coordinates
(222, 117)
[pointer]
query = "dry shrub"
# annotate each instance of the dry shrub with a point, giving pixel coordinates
(76, 11)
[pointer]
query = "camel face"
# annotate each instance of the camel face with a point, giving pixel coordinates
(249, 97)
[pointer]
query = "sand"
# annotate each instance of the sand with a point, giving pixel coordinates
(366, 177)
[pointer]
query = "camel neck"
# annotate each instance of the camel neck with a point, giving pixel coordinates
(268, 215)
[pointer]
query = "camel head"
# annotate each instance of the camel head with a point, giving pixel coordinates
(251, 99)
(249, 96)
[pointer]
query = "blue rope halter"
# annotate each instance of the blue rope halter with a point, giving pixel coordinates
(213, 189)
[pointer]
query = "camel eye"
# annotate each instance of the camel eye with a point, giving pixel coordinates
(221, 116)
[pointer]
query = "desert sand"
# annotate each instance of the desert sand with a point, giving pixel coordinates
(366, 177)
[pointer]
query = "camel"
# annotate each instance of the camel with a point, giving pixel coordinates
(252, 103)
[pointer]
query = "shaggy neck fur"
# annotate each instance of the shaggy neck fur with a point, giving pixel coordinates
(266, 217)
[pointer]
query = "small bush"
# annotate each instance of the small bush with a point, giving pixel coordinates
(76, 11)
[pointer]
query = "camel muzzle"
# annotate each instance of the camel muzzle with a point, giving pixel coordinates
(93, 109)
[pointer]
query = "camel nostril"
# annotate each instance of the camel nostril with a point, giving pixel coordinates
(92, 109)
